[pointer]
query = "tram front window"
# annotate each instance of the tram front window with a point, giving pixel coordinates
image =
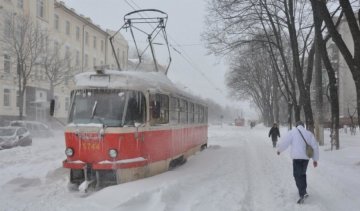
(112, 108)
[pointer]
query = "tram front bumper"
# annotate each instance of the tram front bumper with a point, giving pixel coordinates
(107, 165)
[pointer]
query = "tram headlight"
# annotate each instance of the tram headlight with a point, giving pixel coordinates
(113, 153)
(69, 152)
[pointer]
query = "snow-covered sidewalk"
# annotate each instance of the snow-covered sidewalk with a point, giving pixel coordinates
(239, 171)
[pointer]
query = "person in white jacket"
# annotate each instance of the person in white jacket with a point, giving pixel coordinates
(298, 154)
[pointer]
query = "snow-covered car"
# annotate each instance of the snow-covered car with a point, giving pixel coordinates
(14, 136)
(36, 129)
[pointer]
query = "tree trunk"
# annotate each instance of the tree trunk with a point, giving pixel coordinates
(51, 91)
(297, 112)
(352, 62)
(290, 105)
(357, 84)
(304, 97)
(309, 76)
(319, 128)
(21, 91)
(334, 98)
(276, 101)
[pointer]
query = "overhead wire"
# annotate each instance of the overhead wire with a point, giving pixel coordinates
(183, 55)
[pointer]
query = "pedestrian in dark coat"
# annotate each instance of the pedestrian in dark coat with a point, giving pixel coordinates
(274, 133)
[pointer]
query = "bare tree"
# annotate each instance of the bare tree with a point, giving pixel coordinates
(23, 40)
(286, 24)
(249, 78)
(333, 87)
(351, 59)
(280, 48)
(57, 64)
(352, 124)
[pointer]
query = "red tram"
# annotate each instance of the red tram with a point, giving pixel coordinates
(239, 121)
(126, 125)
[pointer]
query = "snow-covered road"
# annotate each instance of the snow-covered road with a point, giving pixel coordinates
(239, 171)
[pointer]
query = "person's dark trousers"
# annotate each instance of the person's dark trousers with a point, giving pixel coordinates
(299, 170)
(274, 140)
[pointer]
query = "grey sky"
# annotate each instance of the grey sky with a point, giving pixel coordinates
(185, 24)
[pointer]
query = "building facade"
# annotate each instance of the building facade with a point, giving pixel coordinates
(345, 81)
(346, 89)
(85, 44)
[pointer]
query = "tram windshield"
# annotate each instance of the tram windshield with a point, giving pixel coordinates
(112, 108)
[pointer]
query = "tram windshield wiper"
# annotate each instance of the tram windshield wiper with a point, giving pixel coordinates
(93, 112)
(93, 115)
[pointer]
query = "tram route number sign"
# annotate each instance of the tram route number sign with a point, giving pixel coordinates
(90, 146)
(90, 141)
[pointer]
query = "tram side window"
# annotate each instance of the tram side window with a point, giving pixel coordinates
(174, 110)
(159, 109)
(136, 108)
(196, 113)
(206, 115)
(183, 112)
(201, 114)
(191, 112)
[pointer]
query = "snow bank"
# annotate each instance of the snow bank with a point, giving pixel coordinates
(239, 171)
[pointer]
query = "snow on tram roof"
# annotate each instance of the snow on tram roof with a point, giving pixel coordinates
(123, 79)
(132, 80)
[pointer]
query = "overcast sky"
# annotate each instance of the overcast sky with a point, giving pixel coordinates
(201, 73)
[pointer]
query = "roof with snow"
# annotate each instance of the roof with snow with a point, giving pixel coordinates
(131, 80)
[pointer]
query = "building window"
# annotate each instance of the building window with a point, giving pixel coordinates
(18, 32)
(87, 38)
(67, 78)
(77, 33)
(94, 42)
(86, 60)
(118, 55)
(56, 22)
(68, 56)
(20, 4)
(94, 61)
(7, 63)
(67, 103)
(6, 97)
(77, 59)
(102, 45)
(40, 8)
(7, 27)
(67, 51)
(123, 58)
(67, 27)
(56, 45)
(17, 98)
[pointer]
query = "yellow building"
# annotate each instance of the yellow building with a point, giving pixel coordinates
(85, 43)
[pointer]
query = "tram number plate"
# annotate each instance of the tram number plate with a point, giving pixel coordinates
(90, 146)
